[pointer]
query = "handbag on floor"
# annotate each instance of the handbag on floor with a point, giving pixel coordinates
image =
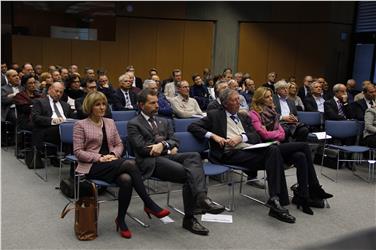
(86, 216)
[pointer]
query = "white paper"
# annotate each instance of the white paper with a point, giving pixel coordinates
(322, 135)
(260, 145)
(221, 218)
(167, 220)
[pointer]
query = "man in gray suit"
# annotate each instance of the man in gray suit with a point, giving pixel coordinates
(289, 114)
(156, 149)
(8, 92)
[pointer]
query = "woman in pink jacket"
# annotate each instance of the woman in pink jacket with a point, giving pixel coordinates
(98, 148)
(265, 120)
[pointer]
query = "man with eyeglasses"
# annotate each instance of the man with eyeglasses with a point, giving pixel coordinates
(124, 98)
(306, 88)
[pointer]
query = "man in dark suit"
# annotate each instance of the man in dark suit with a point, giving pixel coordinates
(47, 114)
(8, 92)
(4, 69)
(315, 101)
(305, 89)
(91, 86)
(124, 98)
(156, 149)
(289, 114)
(230, 132)
(218, 88)
(338, 107)
(137, 82)
(359, 107)
(271, 80)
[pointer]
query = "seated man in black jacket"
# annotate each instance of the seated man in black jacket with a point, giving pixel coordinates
(338, 108)
(230, 132)
(359, 107)
(315, 101)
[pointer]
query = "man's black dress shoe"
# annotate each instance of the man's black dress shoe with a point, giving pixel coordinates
(191, 224)
(275, 205)
(208, 206)
(282, 216)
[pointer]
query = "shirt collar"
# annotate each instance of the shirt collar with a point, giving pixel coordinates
(335, 99)
(282, 98)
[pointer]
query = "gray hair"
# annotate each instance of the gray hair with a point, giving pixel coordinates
(225, 95)
(281, 84)
(123, 76)
(147, 83)
(337, 87)
(178, 84)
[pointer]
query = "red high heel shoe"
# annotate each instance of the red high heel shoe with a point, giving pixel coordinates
(160, 214)
(123, 233)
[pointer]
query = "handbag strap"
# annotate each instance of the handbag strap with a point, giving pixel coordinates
(70, 206)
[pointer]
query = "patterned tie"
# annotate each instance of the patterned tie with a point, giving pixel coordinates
(57, 110)
(234, 118)
(340, 108)
(128, 103)
(153, 126)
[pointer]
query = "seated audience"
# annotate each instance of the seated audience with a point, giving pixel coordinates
(56, 77)
(170, 89)
(359, 107)
(289, 114)
(218, 88)
(183, 105)
(293, 96)
(156, 149)
(314, 101)
(73, 90)
(4, 69)
(89, 75)
(91, 86)
(369, 133)
(23, 101)
(45, 81)
(199, 92)
(209, 83)
(98, 148)
(351, 90)
(338, 108)
(233, 84)
(360, 95)
(164, 106)
(124, 98)
(229, 133)
(106, 88)
(47, 114)
(250, 87)
(271, 80)
(8, 92)
(132, 77)
(306, 88)
(137, 82)
(265, 120)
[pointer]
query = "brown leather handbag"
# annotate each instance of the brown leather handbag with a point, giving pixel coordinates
(86, 216)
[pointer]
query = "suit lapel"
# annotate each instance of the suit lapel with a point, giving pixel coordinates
(145, 123)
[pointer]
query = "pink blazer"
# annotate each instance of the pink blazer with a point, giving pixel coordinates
(277, 135)
(87, 141)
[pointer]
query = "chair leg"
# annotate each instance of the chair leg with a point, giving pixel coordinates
(168, 200)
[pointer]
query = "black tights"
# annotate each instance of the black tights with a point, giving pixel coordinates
(129, 176)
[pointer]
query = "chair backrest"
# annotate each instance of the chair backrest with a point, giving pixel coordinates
(188, 143)
(122, 129)
(310, 118)
(181, 125)
(341, 129)
(123, 115)
(66, 132)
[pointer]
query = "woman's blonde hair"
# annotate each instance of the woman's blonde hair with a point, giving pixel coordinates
(91, 99)
(258, 98)
(44, 76)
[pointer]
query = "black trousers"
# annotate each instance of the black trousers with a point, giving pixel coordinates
(271, 160)
(299, 154)
(185, 168)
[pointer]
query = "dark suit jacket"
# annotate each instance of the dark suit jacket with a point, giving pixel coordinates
(6, 102)
(41, 116)
(140, 135)
(301, 92)
(290, 103)
(331, 111)
(359, 109)
(216, 122)
(310, 103)
(213, 105)
(119, 100)
(138, 82)
(4, 79)
(269, 86)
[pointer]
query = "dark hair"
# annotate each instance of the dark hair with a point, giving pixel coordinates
(70, 80)
(194, 76)
(153, 69)
(175, 71)
(25, 78)
(143, 95)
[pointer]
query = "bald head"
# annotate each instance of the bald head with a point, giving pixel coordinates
(56, 91)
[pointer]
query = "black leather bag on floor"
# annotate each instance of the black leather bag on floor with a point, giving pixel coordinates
(67, 188)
